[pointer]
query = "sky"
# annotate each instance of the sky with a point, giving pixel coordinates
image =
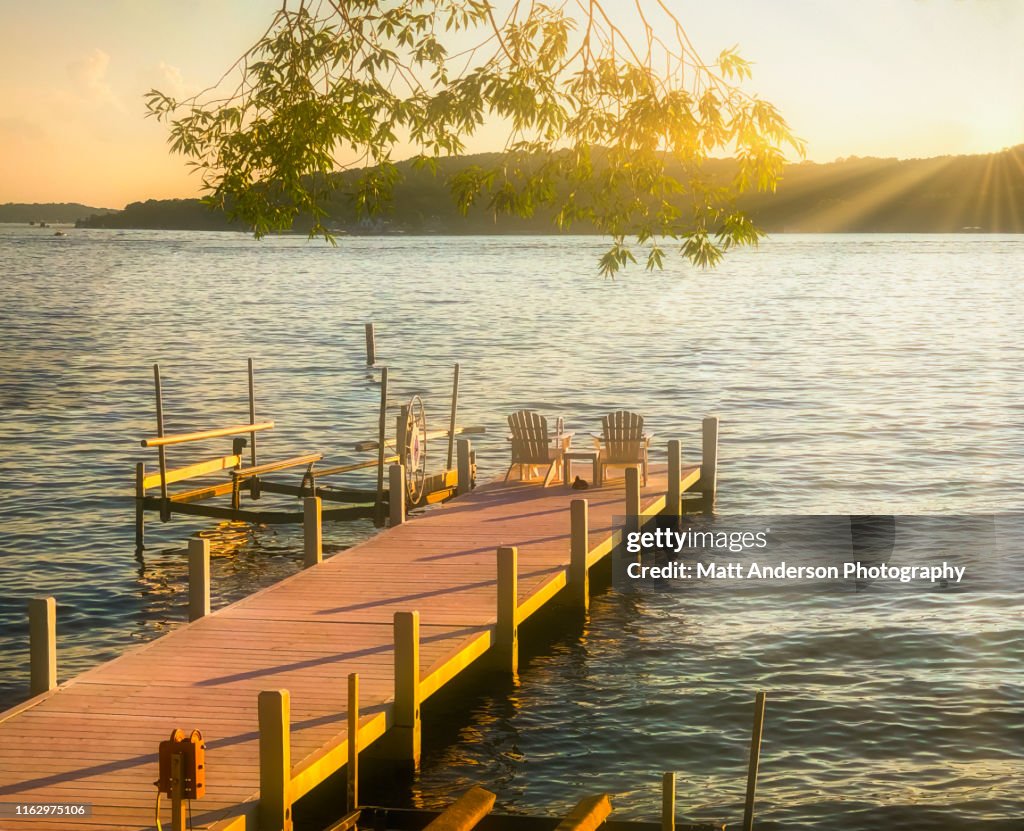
(904, 78)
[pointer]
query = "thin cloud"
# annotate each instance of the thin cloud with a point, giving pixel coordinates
(89, 75)
(173, 84)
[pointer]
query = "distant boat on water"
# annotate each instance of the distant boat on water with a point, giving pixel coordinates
(59, 234)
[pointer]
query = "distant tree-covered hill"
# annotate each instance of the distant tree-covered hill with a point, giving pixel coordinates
(938, 195)
(166, 214)
(48, 212)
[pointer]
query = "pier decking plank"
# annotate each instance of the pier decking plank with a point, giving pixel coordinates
(94, 738)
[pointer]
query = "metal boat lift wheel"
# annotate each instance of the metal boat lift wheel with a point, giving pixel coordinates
(414, 455)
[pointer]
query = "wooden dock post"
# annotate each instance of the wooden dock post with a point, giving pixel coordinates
(382, 429)
(165, 502)
(588, 815)
(465, 467)
(371, 346)
(252, 417)
(755, 758)
(579, 548)
(352, 771)
(452, 420)
(674, 494)
(396, 494)
(401, 427)
(407, 687)
(312, 531)
(507, 629)
(275, 761)
(42, 638)
(633, 498)
(709, 463)
(668, 802)
(140, 511)
(198, 578)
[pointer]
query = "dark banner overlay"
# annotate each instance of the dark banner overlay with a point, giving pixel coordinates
(828, 553)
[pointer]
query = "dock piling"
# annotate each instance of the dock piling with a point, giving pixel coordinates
(755, 758)
(579, 540)
(674, 495)
(275, 810)
(352, 773)
(198, 578)
(407, 686)
(452, 420)
(165, 501)
(371, 346)
(42, 636)
(140, 510)
(382, 428)
(633, 497)
(668, 802)
(465, 466)
(252, 420)
(709, 463)
(507, 630)
(396, 494)
(312, 531)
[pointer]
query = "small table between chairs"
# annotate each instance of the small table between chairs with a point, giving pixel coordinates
(574, 455)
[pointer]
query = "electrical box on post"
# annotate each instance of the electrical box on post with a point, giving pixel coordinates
(193, 764)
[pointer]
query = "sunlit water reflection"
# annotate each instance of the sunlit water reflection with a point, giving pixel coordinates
(866, 374)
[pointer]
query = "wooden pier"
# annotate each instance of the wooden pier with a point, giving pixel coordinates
(267, 679)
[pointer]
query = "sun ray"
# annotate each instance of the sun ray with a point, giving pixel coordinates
(862, 203)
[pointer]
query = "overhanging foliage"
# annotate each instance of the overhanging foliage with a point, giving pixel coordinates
(598, 126)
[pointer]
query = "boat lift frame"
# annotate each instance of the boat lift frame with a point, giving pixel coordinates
(408, 447)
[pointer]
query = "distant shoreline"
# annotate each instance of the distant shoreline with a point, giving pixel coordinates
(344, 234)
(952, 194)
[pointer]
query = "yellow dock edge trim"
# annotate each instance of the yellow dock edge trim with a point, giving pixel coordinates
(543, 595)
(335, 757)
(454, 665)
(603, 549)
(654, 508)
(689, 481)
(29, 703)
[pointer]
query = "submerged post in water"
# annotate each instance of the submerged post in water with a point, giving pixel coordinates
(755, 757)
(709, 463)
(371, 346)
(668, 802)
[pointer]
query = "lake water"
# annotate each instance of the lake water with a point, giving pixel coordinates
(853, 374)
